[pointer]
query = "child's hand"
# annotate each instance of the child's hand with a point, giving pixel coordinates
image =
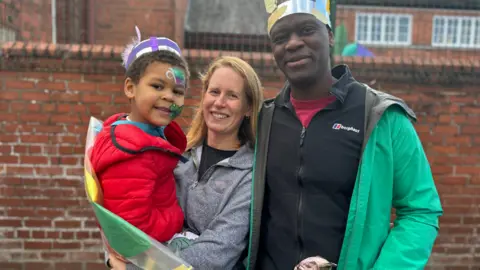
(113, 253)
(116, 263)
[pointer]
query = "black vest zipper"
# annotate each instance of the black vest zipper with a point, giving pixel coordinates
(300, 198)
(299, 229)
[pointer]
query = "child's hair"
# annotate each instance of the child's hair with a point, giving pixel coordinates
(166, 52)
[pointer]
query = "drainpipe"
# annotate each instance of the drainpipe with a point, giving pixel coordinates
(91, 21)
(54, 21)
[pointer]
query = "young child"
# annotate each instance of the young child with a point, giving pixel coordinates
(134, 154)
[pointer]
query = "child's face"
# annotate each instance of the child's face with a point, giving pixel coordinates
(158, 96)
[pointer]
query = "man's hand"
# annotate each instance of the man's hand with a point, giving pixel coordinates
(314, 263)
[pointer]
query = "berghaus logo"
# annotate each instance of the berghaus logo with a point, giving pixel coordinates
(337, 126)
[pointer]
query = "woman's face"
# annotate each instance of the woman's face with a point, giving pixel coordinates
(225, 102)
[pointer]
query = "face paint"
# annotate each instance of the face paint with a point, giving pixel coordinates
(177, 75)
(175, 110)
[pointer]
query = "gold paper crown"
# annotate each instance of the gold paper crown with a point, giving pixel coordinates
(318, 8)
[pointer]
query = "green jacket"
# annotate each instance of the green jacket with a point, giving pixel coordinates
(393, 172)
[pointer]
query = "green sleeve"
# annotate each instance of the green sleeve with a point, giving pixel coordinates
(415, 199)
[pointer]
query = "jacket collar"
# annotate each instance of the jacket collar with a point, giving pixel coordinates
(339, 88)
(242, 159)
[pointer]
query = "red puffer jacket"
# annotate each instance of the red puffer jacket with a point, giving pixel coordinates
(135, 170)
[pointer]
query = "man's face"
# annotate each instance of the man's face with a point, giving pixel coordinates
(301, 47)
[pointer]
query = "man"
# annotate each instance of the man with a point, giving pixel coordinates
(333, 157)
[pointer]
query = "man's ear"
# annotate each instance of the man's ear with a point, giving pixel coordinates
(331, 38)
(129, 88)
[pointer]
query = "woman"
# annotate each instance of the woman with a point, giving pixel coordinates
(214, 186)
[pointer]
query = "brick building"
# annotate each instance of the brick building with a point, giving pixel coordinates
(48, 92)
(412, 31)
(443, 29)
(90, 21)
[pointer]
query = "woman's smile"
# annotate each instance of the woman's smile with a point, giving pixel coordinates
(219, 116)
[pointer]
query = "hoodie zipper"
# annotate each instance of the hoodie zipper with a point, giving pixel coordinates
(199, 178)
(194, 185)
(196, 181)
(195, 163)
(300, 198)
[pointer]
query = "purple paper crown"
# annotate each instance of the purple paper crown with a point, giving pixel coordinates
(150, 45)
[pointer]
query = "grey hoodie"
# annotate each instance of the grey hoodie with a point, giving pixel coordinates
(217, 208)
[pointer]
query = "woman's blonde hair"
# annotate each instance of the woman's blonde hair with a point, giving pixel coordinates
(253, 91)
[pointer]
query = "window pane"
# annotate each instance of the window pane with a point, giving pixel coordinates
(403, 29)
(390, 28)
(376, 28)
(477, 34)
(362, 28)
(7, 34)
(452, 26)
(465, 35)
(438, 30)
(365, 27)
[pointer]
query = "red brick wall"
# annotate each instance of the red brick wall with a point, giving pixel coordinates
(46, 221)
(30, 18)
(113, 22)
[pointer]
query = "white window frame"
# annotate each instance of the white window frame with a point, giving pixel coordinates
(7, 34)
(384, 16)
(458, 44)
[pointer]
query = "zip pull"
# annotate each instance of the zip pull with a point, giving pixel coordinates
(194, 185)
(302, 135)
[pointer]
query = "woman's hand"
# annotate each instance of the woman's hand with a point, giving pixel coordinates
(116, 263)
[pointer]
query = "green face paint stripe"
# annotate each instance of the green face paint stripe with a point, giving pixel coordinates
(175, 110)
(178, 76)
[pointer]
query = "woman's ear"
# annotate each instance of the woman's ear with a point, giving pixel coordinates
(249, 111)
(129, 88)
